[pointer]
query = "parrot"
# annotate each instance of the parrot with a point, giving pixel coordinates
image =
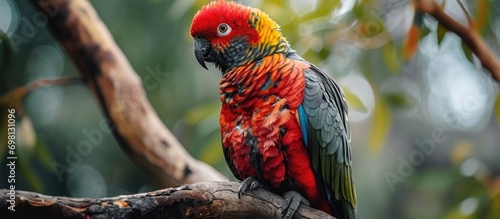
(284, 122)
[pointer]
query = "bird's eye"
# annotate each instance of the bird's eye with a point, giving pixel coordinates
(223, 29)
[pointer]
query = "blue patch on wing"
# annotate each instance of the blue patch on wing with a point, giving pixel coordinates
(303, 123)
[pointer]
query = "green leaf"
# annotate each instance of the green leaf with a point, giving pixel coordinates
(201, 112)
(277, 2)
(455, 213)
(381, 123)
(353, 101)
(212, 153)
(467, 52)
(30, 174)
(494, 207)
(398, 100)
(434, 179)
(465, 187)
(391, 58)
(497, 109)
(44, 155)
(5, 49)
(482, 15)
(441, 31)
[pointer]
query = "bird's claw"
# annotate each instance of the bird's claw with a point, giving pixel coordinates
(248, 184)
(291, 204)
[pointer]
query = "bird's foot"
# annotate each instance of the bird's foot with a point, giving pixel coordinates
(291, 204)
(247, 185)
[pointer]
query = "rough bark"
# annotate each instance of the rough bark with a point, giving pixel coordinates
(200, 200)
(118, 89)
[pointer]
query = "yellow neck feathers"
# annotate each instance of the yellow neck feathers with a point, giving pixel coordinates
(269, 31)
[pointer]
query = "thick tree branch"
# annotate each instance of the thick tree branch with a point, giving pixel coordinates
(469, 35)
(118, 89)
(200, 200)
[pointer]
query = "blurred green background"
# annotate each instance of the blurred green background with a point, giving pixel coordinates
(424, 116)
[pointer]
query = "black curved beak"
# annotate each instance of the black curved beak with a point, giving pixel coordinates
(202, 51)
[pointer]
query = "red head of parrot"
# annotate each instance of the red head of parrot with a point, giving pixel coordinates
(229, 35)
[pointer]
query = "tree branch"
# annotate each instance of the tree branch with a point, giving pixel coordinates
(14, 97)
(200, 200)
(469, 35)
(118, 89)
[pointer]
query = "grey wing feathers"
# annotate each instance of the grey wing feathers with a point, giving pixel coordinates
(329, 139)
(325, 105)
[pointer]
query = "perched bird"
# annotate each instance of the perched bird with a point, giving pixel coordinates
(283, 121)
